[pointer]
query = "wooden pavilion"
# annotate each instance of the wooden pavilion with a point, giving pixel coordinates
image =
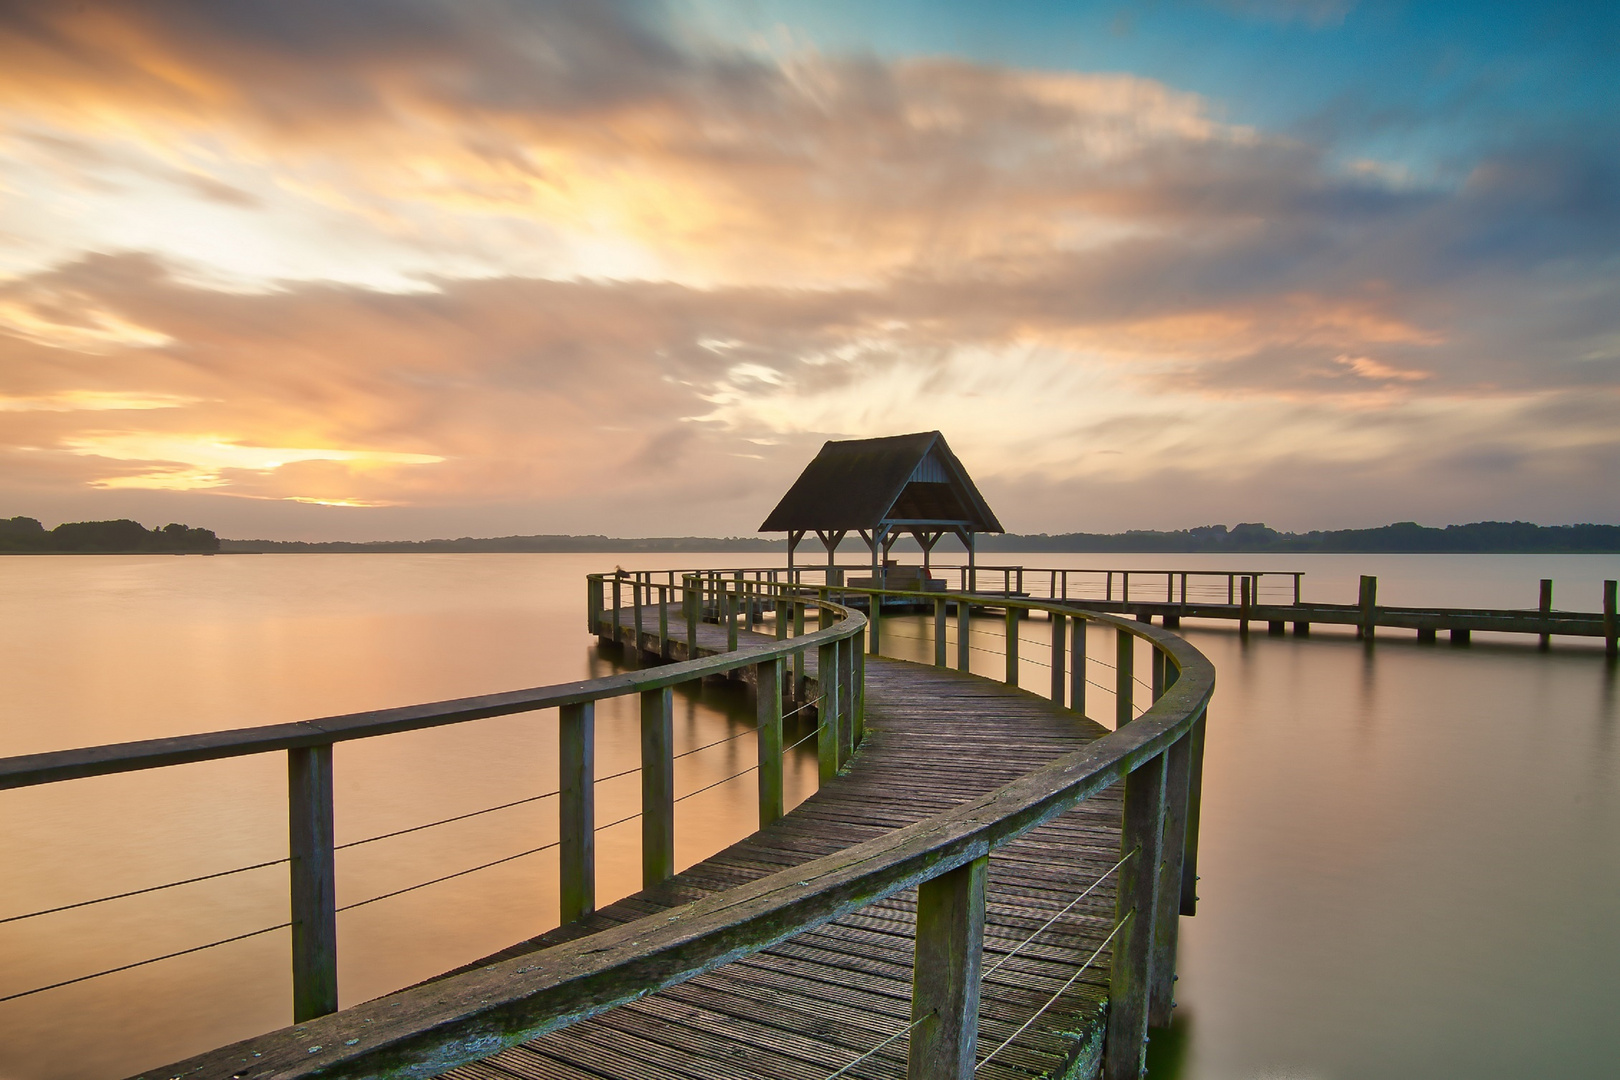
(884, 489)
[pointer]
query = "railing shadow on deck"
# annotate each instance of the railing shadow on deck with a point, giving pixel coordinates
(428, 1029)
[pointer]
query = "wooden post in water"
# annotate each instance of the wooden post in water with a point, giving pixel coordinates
(827, 711)
(768, 716)
(576, 766)
(593, 603)
(1141, 832)
(1245, 599)
(313, 871)
(939, 633)
(617, 597)
(657, 785)
(1077, 666)
(1124, 678)
(1546, 609)
(1059, 653)
(1610, 645)
(1012, 645)
(1368, 602)
(945, 978)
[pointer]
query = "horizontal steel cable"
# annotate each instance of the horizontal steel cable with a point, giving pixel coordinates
(446, 821)
(143, 963)
(458, 873)
(1071, 905)
(1061, 991)
(141, 892)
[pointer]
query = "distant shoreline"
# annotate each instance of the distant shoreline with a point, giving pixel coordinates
(1404, 538)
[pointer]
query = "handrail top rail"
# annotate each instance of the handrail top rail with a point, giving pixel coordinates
(629, 575)
(30, 770)
(425, 1030)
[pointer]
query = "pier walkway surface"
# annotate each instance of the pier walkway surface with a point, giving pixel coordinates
(808, 1007)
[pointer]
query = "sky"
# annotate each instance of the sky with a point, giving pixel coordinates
(394, 269)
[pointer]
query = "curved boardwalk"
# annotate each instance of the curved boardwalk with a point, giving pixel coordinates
(809, 1006)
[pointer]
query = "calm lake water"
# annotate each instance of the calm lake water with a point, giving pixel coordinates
(1410, 860)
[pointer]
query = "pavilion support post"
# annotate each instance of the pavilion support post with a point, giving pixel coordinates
(576, 763)
(768, 715)
(313, 872)
(657, 785)
(945, 978)
(972, 572)
(939, 633)
(827, 710)
(1134, 914)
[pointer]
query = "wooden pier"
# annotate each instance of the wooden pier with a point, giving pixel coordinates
(986, 882)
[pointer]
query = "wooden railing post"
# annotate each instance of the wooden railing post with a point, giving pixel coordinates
(636, 597)
(1124, 678)
(663, 623)
(576, 766)
(694, 604)
(859, 687)
(768, 717)
(728, 612)
(1012, 645)
(1077, 666)
(827, 710)
(964, 634)
(846, 700)
(945, 977)
(1246, 598)
(798, 657)
(657, 785)
(1195, 798)
(1059, 654)
(313, 873)
(1167, 910)
(1141, 832)
(781, 608)
(939, 633)
(874, 622)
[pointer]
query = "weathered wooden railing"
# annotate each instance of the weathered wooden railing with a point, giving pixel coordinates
(308, 745)
(426, 1030)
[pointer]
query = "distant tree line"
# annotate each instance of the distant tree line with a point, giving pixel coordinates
(20, 535)
(1403, 537)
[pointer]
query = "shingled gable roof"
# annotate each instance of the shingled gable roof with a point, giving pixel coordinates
(857, 484)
